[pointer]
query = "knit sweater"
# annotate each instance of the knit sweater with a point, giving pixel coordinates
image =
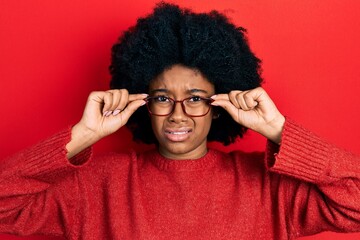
(302, 187)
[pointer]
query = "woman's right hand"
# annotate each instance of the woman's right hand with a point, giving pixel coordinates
(105, 113)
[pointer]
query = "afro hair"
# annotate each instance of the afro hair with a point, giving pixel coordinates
(208, 42)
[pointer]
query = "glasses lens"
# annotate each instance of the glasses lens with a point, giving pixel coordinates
(194, 106)
(160, 105)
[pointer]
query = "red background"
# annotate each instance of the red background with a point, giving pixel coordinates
(53, 53)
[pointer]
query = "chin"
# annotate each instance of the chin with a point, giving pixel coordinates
(181, 150)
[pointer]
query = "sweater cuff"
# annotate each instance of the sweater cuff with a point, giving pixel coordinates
(301, 154)
(47, 159)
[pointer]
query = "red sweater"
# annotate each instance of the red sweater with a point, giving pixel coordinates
(303, 187)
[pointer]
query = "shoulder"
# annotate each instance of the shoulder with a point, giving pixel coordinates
(249, 162)
(241, 157)
(109, 163)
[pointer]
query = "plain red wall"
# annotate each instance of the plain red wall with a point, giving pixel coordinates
(53, 53)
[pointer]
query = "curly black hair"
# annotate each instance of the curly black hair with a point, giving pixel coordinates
(208, 42)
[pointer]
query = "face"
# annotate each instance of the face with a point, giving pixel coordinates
(181, 136)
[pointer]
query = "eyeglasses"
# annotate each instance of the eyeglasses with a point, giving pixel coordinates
(194, 106)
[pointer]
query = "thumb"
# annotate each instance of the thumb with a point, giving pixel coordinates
(222, 100)
(130, 109)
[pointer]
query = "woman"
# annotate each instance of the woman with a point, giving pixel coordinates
(179, 80)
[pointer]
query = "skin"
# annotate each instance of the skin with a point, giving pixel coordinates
(181, 136)
(107, 111)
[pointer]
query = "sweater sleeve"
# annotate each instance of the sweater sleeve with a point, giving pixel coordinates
(323, 191)
(38, 188)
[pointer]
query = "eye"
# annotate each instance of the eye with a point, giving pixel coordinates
(195, 99)
(161, 99)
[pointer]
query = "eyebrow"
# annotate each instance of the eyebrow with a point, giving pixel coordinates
(190, 91)
(159, 90)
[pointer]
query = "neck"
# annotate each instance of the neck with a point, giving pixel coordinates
(179, 155)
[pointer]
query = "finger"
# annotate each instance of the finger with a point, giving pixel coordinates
(222, 96)
(234, 97)
(126, 100)
(242, 102)
(108, 98)
(119, 101)
(254, 97)
(116, 97)
(130, 109)
(228, 106)
(250, 98)
(139, 96)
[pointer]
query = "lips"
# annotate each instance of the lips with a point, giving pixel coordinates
(178, 135)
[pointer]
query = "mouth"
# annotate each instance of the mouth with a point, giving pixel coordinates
(177, 135)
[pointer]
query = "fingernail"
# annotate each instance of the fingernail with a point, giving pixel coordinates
(108, 113)
(213, 96)
(214, 104)
(143, 103)
(116, 112)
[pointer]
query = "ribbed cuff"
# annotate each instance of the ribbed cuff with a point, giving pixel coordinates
(301, 154)
(47, 160)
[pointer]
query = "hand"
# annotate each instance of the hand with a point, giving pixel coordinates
(104, 114)
(255, 110)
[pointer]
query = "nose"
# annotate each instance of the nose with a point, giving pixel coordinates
(178, 115)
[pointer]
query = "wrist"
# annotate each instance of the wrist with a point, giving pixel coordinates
(273, 130)
(81, 138)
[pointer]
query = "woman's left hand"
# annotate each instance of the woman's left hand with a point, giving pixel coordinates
(253, 109)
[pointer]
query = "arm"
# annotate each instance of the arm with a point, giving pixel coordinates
(327, 196)
(255, 110)
(326, 188)
(38, 186)
(104, 114)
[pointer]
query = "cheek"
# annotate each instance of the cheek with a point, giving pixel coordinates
(203, 125)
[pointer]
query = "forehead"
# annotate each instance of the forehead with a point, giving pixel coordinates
(180, 78)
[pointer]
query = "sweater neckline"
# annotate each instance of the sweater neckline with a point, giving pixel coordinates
(205, 162)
